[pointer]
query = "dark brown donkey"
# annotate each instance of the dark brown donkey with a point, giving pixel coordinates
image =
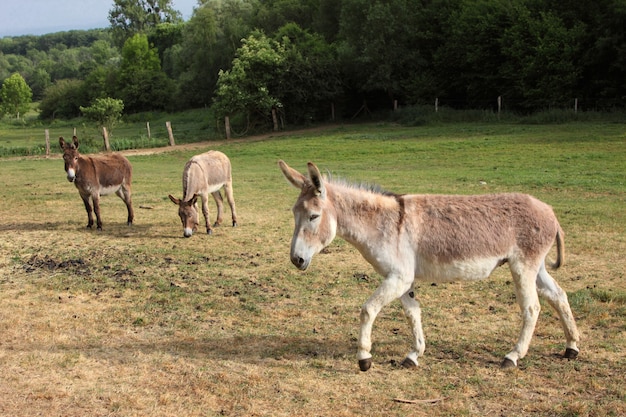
(98, 175)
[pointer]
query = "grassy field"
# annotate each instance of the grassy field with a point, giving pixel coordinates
(142, 322)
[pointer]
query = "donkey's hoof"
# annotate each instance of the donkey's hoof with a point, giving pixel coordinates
(408, 363)
(234, 224)
(570, 353)
(507, 364)
(365, 364)
(209, 231)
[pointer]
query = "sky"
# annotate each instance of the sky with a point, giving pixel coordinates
(38, 17)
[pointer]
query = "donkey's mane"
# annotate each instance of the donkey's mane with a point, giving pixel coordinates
(363, 186)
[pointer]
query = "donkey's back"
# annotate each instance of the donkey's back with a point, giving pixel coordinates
(206, 173)
(466, 237)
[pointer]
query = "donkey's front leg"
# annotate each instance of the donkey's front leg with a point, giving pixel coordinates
(88, 210)
(413, 314)
(205, 212)
(391, 288)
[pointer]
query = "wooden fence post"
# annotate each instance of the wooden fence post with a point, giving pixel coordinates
(148, 128)
(168, 125)
(436, 104)
(47, 142)
(575, 105)
(227, 126)
(499, 106)
(105, 136)
(274, 119)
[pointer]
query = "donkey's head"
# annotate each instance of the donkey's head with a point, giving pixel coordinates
(188, 212)
(70, 157)
(314, 214)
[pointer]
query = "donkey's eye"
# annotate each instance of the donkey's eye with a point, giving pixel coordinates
(313, 217)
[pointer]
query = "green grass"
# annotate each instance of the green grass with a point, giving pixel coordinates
(139, 321)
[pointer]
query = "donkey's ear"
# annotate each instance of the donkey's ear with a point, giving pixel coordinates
(317, 180)
(75, 141)
(293, 176)
(174, 200)
(61, 142)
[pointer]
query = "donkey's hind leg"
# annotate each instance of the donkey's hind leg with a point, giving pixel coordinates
(228, 190)
(125, 194)
(528, 300)
(413, 314)
(548, 288)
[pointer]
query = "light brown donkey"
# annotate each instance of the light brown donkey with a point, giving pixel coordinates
(205, 174)
(436, 238)
(99, 175)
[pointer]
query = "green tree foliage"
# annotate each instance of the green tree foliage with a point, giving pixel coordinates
(15, 96)
(379, 60)
(309, 80)
(273, 14)
(142, 85)
(540, 59)
(247, 88)
(62, 100)
(198, 58)
(131, 17)
(210, 40)
(106, 112)
(471, 33)
(39, 81)
(535, 53)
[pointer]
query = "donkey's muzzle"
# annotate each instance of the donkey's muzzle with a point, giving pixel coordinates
(300, 263)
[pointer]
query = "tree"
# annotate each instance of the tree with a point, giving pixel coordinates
(142, 85)
(379, 61)
(106, 112)
(130, 17)
(62, 99)
(246, 89)
(210, 40)
(15, 96)
(309, 80)
(541, 62)
(197, 58)
(470, 57)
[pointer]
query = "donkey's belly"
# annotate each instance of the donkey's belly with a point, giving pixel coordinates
(109, 190)
(462, 270)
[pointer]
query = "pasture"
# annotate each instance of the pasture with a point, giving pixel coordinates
(140, 321)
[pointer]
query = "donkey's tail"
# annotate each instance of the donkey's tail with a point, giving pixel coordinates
(560, 249)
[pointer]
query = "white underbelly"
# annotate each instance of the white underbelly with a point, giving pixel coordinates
(465, 270)
(109, 190)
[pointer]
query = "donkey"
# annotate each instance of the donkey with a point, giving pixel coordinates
(436, 238)
(99, 175)
(205, 174)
